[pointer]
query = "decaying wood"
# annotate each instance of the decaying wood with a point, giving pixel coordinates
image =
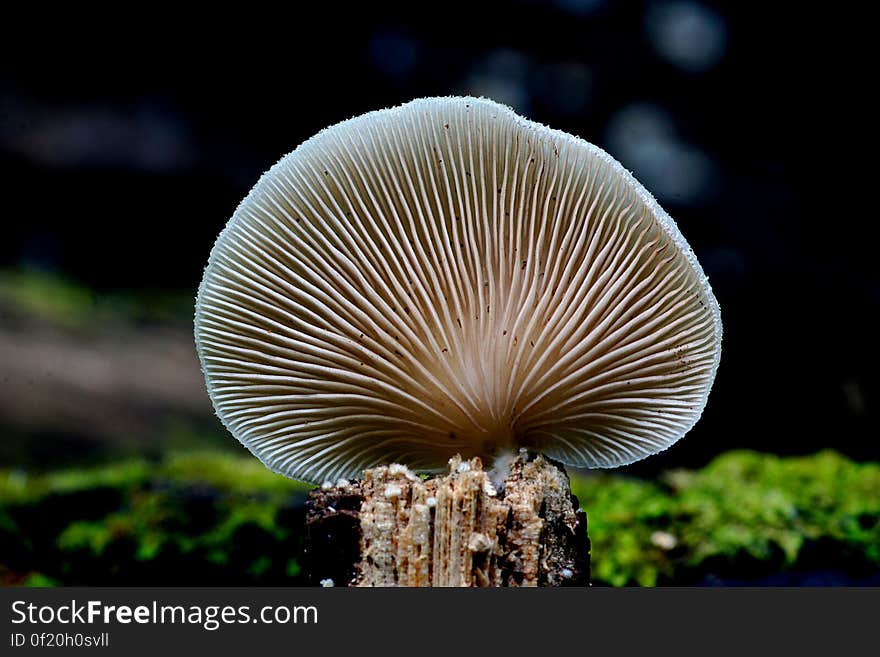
(394, 529)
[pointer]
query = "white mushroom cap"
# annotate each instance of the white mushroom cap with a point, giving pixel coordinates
(447, 277)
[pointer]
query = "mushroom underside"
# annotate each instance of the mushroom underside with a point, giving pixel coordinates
(446, 277)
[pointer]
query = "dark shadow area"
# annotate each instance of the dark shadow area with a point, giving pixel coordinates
(126, 144)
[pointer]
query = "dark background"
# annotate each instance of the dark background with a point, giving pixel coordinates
(127, 140)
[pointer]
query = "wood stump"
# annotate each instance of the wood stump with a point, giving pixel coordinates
(393, 528)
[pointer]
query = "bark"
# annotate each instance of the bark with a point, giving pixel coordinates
(393, 528)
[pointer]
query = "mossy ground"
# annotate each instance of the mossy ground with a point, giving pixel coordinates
(52, 299)
(206, 518)
(744, 518)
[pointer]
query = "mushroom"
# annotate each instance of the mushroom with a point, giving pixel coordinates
(446, 277)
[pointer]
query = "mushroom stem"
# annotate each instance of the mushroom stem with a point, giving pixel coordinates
(501, 466)
(394, 529)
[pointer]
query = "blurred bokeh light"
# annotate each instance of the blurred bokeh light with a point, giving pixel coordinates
(124, 150)
(124, 154)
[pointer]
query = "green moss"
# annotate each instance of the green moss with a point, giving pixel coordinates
(55, 299)
(40, 294)
(39, 580)
(19, 486)
(744, 515)
(209, 518)
(243, 474)
(125, 474)
(293, 568)
(193, 518)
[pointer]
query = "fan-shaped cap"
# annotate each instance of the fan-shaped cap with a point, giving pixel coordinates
(447, 277)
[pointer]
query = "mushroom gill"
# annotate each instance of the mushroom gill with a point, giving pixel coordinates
(447, 277)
